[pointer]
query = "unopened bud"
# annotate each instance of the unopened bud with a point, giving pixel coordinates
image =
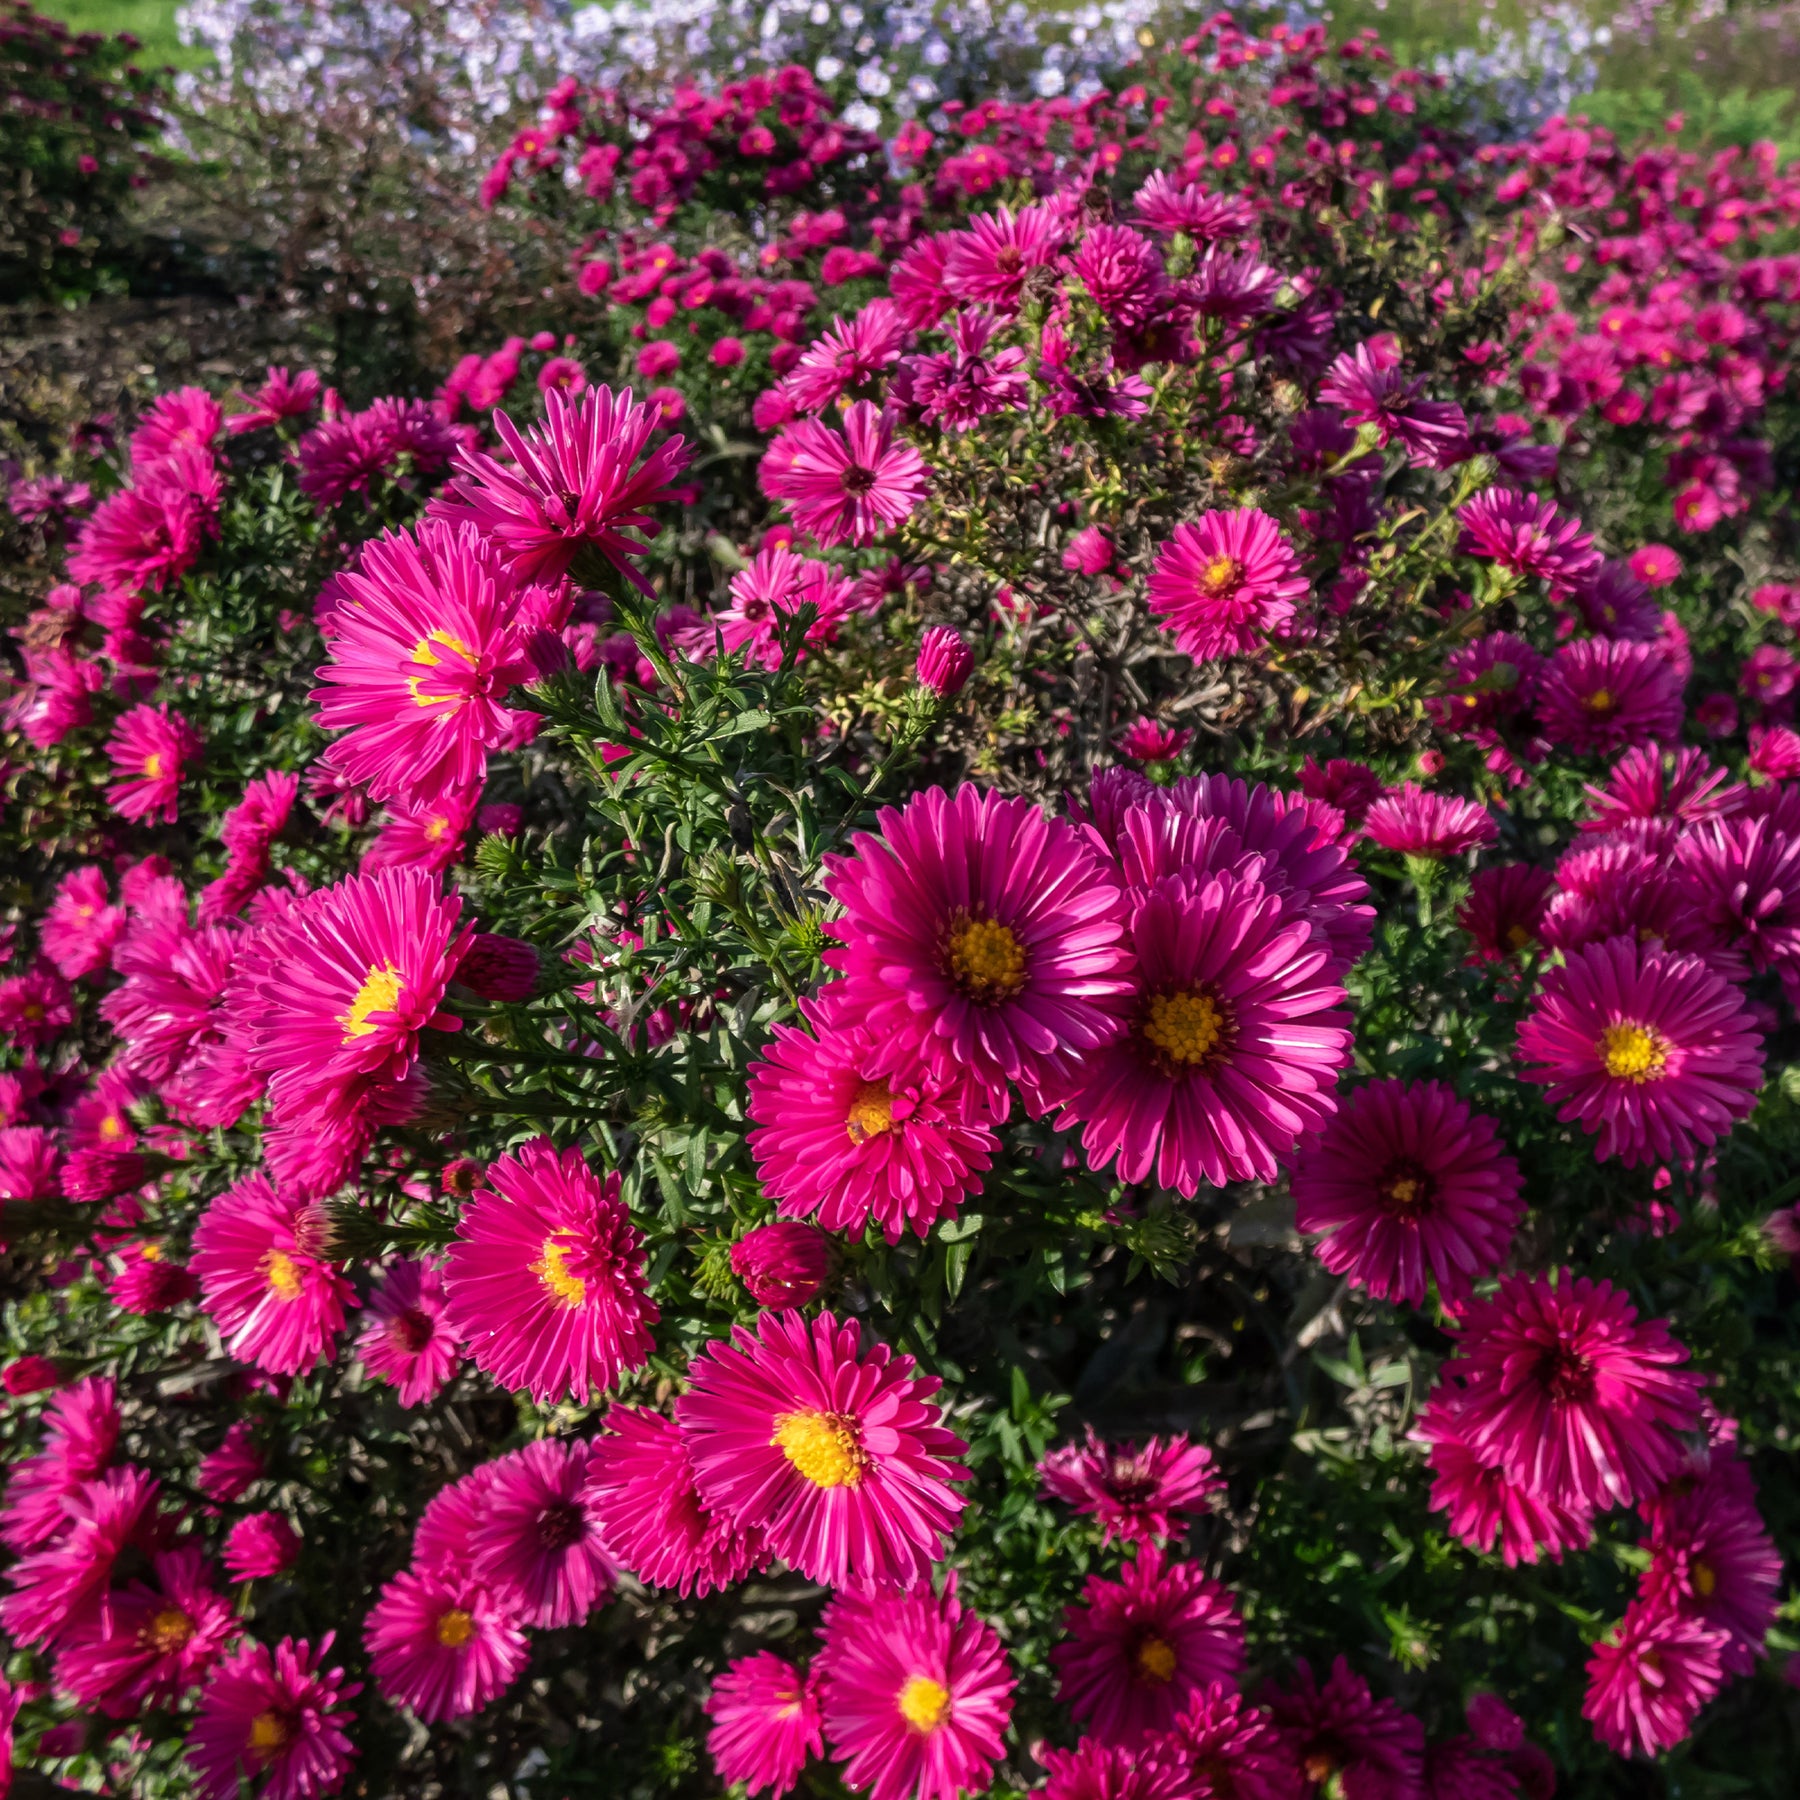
(499, 968)
(944, 661)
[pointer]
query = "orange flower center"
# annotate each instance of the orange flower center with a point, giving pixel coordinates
(871, 1112)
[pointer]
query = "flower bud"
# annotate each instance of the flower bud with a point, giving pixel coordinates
(1090, 552)
(103, 1174)
(944, 661)
(31, 1375)
(782, 1265)
(499, 968)
(260, 1545)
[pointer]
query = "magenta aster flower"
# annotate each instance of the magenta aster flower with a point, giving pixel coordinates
(146, 536)
(1122, 272)
(406, 1338)
(641, 1486)
(782, 1265)
(1527, 535)
(1417, 822)
(538, 1543)
(1503, 912)
(1649, 1680)
(766, 597)
(1235, 1040)
(1140, 1649)
(81, 1431)
(847, 355)
(148, 1282)
(36, 1007)
(1604, 694)
(573, 491)
(59, 1589)
(1740, 884)
(979, 936)
(189, 417)
(346, 984)
(1409, 1185)
(259, 1546)
(1571, 1393)
(1136, 1491)
(166, 1007)
(149, 747)
(427, 838)
(265, 1279)
(1488, 1509)
(443, 1646)
(1233, 1750)
(847, 487)
(987, 263)
(425, 647)
(29, 1160)
(1652, 1051)
(1651, 782)
(1374, 1749)
(845, 1134)
(765, 1724)
(1485, 683)
(80, 925)
(837, 1455)
(1222, 584)
(1712, 1558)
(545, 1281)
(1097, 1771)
(1374, 391)
(1615, 604)
(275, 1718)
(231, 1471)
(1166, 205)
(1656, 565)
(914, 1694)
(1148, 740)
(150, 1644)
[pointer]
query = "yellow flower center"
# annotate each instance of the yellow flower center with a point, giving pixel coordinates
(1517, 936)
(1185, 1028)
(1220, 576)
(150, 1252)
(552, 1269)
(282, 1274)
(167, 1631)
(1600, 700)
(454, 1628)
(1404, 1190)
(871, 1112)
(1155, 1660)
(436, 829)
(424, 655)
(984, 959)
(1706, 1580)
(379, 993)
(153, 765)
(1633, 1052)
(823, 1446)
(923, 1703)
(112, 1126)
(268, 1733)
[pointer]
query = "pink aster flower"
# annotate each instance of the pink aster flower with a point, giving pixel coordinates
(149, 1282)
(145, 536)
(282, 396)
(1373, 391)
(782, 1265)
(1485, 683)
(1122, 272)
(1234, 1750)
(538, 1544)
(641, 1486)
(1374, 1749)
(1136, 1491)
(1614, 603)
(838, 1456)
(1651, 782)
(847, 355)
(1148, 740)
(149, 747)
(1504, 910)
(261, 1545)
(570, 492)
(28, 1163)
(80, 926)
(427, 838)
(1097, 1771)
(275, 1718)
(1487, 1508)
(1408, 1184)
(844, 1135)
(406, 1339)
(1653, 1051)
(150, 1644)
(979, 936)
(1605, 694)
(81, 1431)
(1166, 205)
(1649, 1680)
(443, 1645)
(1655, 565)
(348, 981)
(36, 1007)
(847, 487)
(987, 264)
(231, 1471)
(60, 1588)
(1577, 1398)
(765, 1724)
(1527, 535)
(767, 596)
(1740, 882)
(1234, 1042)
(914, 1695)
(427, 643)
(1140, 1649)
(175, 976)
(187, 418)
(545, 1280)
(1417, 822)
(1224, 583)
(264, 1279)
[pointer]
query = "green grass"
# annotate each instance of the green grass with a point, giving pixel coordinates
(152, 21)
